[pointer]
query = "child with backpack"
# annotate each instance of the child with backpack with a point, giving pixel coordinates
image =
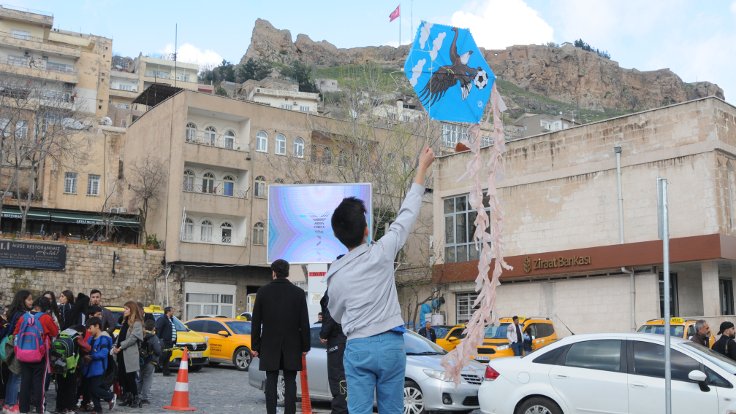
(22, 302)
(150, 354)
(96, 363)
(65, 357)
(32, 341)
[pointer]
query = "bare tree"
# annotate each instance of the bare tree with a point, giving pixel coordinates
(40, 124)
(147, 177)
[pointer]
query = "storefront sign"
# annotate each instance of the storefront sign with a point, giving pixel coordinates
(26, 255)
(532, 264)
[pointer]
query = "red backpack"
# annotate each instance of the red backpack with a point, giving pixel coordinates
(29, 343)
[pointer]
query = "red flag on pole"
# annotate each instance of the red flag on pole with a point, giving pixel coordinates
(394, 14)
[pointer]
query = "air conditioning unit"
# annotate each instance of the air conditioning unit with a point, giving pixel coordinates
(118, 210)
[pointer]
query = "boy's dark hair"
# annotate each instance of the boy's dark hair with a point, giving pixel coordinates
(149, 324)
(93, 291)
(94, 309)
(42, 303)
(348, 222)
(281, 268)
(94, 321)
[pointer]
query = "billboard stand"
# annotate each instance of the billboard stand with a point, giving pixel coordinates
(316, 287)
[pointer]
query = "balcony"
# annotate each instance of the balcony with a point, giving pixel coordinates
(203, 252)
(38, 44)
(39, 68)
(212, 139)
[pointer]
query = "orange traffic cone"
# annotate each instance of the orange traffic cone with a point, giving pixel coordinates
(180, 399)
(306, 401)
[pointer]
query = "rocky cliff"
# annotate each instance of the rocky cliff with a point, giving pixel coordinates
(566, 73)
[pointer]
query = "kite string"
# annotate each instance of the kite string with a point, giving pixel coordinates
(490, 245)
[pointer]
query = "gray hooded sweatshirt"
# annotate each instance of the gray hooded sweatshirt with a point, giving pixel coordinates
(362, 287)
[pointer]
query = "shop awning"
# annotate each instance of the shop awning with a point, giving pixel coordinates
(82, 218)
(33, 214)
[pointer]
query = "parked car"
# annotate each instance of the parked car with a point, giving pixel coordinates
(228, 339)
(541, 330)
(610, 373)
(679, 327)
(425, 387)
(449, 336)
(196, 344)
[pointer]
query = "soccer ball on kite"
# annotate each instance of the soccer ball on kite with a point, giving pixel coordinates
(481, 79)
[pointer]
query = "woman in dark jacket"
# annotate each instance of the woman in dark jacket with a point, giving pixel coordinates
(66, 301)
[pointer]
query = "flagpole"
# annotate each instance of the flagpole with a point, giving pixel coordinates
(399, 24)
(411, 19)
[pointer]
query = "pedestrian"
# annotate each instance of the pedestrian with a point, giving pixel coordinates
(280, 334)
(725, 345)
(702, 333)
(22, 302)
(95, 365)
(513, 334)
(109, 323)
(79, 310)
(428, 332)
(66, 302)
(126, 350)
(320, 316)
(166, 333)
(364, 301)
(331, 334)
(150, 355)
(66, 383)
(54, 307)
(33, 354)
(4, 371)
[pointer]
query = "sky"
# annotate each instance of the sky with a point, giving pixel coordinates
(695, 39)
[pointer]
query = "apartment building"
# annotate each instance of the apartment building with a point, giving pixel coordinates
(220, 156)
(562, 232)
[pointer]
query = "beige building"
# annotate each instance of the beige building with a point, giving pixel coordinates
(574, 260)
(220, 155)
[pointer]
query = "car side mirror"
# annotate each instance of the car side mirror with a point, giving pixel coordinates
(223, 333)
(699, 377)
(453, 339)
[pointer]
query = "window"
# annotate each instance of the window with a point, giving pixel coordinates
(262, 141)
(326, 156)
(208, 183)
(304, 108)
(552, 357)
(227, 232)
(206, 231)
(229, 140)
(20, 34)
(452, 134)
(342, 159)
(260, 187)
(70, 183)
(197, 326)
(210, 304)
(21, 129)
(649, 357)
(210, 135)
(5, 126)
(188, 229)
(604, 355)
(464, 306)
(228, 187)
(486, 141)
(286, 106)
(188, 180)
(258, 231)
(93, 185)
(191, 132)
(279, 181)
(544, 330)
(299, 147)
(313, 153)
(725, 288)
(459, 228)
(674, 309)
(280, 144)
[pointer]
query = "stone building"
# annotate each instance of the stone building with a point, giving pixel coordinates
(574, 260)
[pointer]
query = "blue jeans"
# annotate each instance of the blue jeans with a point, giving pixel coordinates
(11, 389)
(375, 365)
(517, 347)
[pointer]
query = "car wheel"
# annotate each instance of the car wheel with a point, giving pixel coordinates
(413, 398)
(242, 358)
(538, 405)
(214, 364)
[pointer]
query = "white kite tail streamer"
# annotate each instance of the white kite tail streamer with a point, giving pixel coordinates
(490, 245)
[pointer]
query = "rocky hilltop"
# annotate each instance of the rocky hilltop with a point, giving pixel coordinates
(565, 73)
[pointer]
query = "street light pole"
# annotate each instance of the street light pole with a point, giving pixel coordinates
(664, 234)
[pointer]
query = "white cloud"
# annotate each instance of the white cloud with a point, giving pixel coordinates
(497, 24)
(437, 45)
(424, 36)
(192, 54)
(416, 72)
(733, 7)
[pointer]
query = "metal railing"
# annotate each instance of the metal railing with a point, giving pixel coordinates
(192, 233)
(35, 63)
(212, 139)
(214, 187)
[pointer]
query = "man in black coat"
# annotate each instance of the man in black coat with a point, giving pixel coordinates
(332, 335)
(428, 332)
(725, 345)
(280, 334)
(166, 333)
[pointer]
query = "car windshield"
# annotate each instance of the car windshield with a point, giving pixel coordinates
(441, 331)
(118, 315)
(713, 356)
(180, 327)
(496, 331)
(416, 344)
(675, 330)
(240, 328)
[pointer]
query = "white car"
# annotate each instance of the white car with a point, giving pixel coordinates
(610, 373)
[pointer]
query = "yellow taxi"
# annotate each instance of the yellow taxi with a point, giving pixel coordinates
(679, 327)
(199, 352)
(229, 339)
(448, 337)
(540, 330)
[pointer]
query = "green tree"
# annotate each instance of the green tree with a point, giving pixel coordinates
(302, 74)
(252, 69)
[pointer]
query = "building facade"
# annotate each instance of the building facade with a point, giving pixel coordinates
(574, 260)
